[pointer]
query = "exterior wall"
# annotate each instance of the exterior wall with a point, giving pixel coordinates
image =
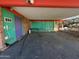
(14, 28)
(2, 41)
(26, 24)
(46, 25)
(61, 25)
(8, 33)
(43, 26)
(9, 26)
(56, 24)
(18, 25)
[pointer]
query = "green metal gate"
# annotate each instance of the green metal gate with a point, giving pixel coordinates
(9, 26)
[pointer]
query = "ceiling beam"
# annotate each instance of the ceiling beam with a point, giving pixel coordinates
(41, 3)
(46, 20)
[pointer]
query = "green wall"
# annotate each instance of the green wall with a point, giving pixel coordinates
(10, 32)
(42, 26)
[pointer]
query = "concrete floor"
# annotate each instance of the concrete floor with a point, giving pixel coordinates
(53, 45)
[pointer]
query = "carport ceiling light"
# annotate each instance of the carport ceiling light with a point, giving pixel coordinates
(30, 1)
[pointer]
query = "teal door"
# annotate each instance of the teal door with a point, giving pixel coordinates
(9, 26)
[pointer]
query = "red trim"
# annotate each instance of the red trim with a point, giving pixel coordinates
(13, 11)
(16, 13)
(46, 20)
(42, 3)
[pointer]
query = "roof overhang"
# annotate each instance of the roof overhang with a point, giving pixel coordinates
(41, 3)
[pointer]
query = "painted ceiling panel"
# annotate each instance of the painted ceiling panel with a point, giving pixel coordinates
(47, 13)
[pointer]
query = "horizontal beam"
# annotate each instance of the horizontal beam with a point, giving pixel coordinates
(41, 3)
(47, 20)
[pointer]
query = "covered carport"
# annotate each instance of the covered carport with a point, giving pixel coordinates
(45, 43)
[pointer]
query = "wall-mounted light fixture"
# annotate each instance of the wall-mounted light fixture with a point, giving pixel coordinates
(30, 1)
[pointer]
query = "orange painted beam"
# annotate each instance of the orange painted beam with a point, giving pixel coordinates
(12, 3)
(41, 3)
